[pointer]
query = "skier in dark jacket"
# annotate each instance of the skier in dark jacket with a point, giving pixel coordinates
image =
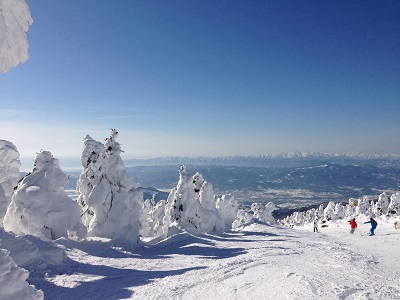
(373, 226)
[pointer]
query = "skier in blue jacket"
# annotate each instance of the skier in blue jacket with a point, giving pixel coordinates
(373, 226)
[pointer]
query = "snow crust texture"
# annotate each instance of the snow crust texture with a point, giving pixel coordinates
(15, 19)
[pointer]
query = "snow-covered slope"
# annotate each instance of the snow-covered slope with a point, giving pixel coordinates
(256, 262)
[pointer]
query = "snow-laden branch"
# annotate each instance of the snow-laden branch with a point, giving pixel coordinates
(15, 19)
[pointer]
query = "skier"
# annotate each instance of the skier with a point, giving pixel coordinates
(315, 226)
(373, 226)
(353, 225)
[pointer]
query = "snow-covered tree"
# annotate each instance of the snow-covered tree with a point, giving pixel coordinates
(228, 209)
(152, 221)
(157, 215)
(320, 212)
(13, 284)
(329, 212)
(110, 200)
(298, 218)
(381, 206)
(264, 212)
(351, 207)
(310, 215)
(9, 174)
(183, 206)
(339, 211)
(40, 205)
(210, 219)
(394, 205)
(243, 217)
(15, 19)
(363, 206)
(146, 221)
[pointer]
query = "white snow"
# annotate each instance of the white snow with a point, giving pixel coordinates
(257, 261)
(13, 283)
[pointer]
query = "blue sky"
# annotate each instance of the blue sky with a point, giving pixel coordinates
(207, 78)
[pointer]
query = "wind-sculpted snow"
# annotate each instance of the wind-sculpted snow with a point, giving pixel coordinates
(15, 19)
(40, 205)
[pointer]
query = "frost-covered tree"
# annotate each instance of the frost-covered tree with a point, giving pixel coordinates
(351, 207)
(191, 206)
(15, 19)
(394, 205)
(9, 174)
(263, 212)
(339, 211)
(210, 219)
(40, 205)
(381, 206)
(329, 212)
(152, 221)
(110, 200)
(298, 218)
(146, 221)
(228, 209)
(13, 284)
(310, 215)
(243, 217)
(320, 211)
(183, 206)
(157, 215)
(363, 206)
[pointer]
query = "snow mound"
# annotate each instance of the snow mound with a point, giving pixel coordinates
(13, 283)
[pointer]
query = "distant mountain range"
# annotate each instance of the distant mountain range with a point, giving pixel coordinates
(320, 182)
(289, 180)
(292, 159)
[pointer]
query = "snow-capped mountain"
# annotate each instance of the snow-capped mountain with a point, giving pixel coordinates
(291, 159)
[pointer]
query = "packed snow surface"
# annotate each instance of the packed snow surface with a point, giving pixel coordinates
(256, 261)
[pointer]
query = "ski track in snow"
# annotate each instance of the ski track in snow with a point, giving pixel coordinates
(259, 262)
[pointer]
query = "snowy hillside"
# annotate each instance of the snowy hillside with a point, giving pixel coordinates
(255, 262)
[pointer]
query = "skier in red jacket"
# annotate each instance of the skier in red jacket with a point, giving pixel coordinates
(353, 225)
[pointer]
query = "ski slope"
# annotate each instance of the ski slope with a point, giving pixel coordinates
(256, 262)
